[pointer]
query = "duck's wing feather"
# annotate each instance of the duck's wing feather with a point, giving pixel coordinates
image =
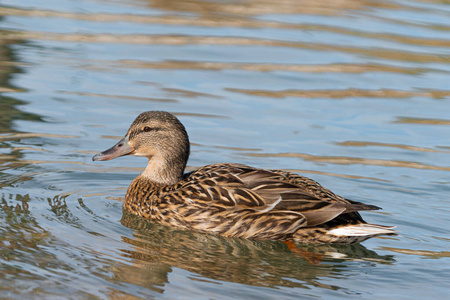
(239, 187)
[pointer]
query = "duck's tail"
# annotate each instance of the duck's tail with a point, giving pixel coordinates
(360, 232)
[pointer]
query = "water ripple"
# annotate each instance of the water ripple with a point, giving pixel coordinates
(341, 160)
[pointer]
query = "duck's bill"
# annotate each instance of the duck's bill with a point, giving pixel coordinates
(120, 149)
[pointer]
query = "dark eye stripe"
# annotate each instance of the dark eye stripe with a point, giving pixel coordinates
(136, 132)
(148, 129)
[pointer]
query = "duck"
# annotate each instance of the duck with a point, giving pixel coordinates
(230, 199)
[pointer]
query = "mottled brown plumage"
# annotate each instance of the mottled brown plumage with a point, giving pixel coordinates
(231, 199)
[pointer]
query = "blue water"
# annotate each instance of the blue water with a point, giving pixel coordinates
(352, 94)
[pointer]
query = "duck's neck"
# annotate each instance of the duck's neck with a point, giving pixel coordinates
(162, 171)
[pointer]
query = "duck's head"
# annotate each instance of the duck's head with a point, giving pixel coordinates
(160, 137)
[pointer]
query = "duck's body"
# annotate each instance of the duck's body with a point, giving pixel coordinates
(231, 199)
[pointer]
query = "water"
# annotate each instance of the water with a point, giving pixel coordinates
(351, 93)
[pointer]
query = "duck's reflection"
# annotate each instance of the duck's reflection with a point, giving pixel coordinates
(158, 249)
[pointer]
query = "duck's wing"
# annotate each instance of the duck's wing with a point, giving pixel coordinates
(238, 187)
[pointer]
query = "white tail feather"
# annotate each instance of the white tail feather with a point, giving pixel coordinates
(362, 230)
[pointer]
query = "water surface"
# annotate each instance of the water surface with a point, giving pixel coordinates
(354, 94)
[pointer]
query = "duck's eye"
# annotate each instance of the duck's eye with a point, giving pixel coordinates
(147, 129)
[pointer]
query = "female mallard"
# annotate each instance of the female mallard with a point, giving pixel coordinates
(231, 199)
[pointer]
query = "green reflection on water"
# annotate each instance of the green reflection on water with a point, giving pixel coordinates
(9, 67)
(20, 244)
(34, 262)
(10, 113)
